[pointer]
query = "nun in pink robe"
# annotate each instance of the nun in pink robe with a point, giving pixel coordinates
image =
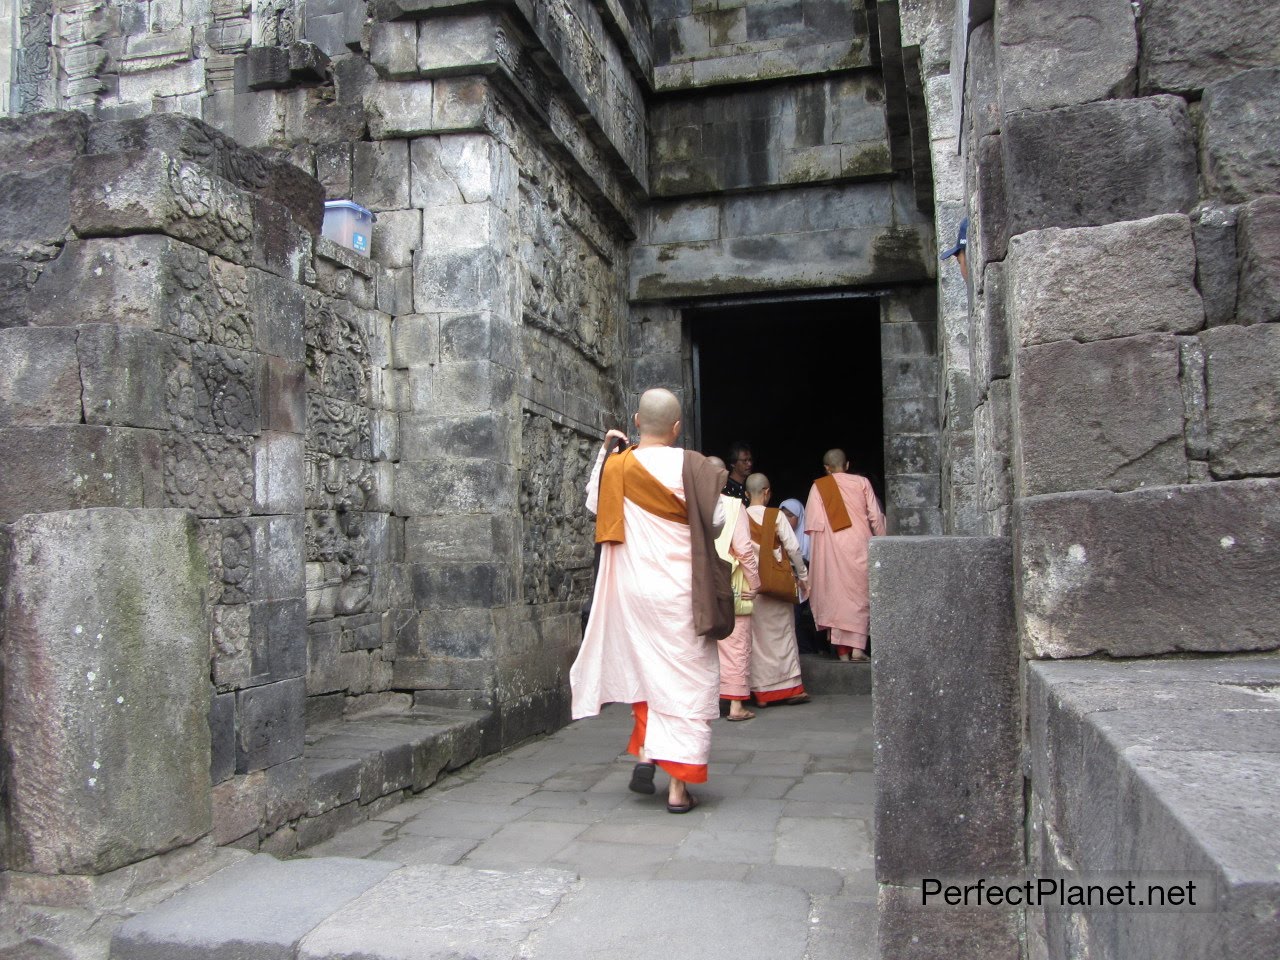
(639, 646)
(734, 546)
(838, 589)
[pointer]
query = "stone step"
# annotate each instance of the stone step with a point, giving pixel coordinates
(353, 764)
(334, 908)
(824, 675)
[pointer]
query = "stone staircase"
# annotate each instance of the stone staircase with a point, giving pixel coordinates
(356, 767)
(825, 675)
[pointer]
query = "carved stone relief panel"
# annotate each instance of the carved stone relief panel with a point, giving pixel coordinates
(557, 539)
(567, 263)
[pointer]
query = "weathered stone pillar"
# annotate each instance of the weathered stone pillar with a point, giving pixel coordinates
(948, 725)
(106, 689)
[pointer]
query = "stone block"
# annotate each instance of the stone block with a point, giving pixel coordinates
(75, 466)
(948, 792)
(33, 143)
(106, 705)
(16, 277)
(35, 211)
(1213, 227)
(331, 783)
(993, 446)
(400, 109)
(237, 809)
(981, 86)
(462, 44)
(684, 222)
(393, 49)
(39, 377)
(146, 281)
(1238, 157)
(222, 736)
(278, 639)
(133, 377)
(1099, 416)
(397, 234)
(219, 155)
(453, 168)
(1188, 45)
(1258, 240)
(260, 905)
(485, 434)
(1096, 283)
(909, 931)
(1242, 393)
(989, 340)
(269, 727)
(989, 221)
(1064, 53)
(460, 104)
(277, 311)
(448, 586)
(380, 175)
(146, 191)
(279, 473)
(1108, 573)
(1132, 763)
(455, 280)
(1098, 163)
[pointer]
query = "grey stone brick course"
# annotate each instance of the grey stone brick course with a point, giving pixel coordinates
(1106, 415)
(1242, 380)
(1096, 283)
(1258, 242)
(1124, 560)
(1060, 54)
(1238, 160)
(1188, 45)
(1098, 163)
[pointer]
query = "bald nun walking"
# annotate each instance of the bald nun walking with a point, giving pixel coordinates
(662, 598)
(841, 517)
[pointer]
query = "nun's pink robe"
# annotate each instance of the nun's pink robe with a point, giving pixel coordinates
(734, 546)
(639, 646)
(838, 587)
(775, 658)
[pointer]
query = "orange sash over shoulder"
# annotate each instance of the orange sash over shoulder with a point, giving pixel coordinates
(624, 477)
(833, 503)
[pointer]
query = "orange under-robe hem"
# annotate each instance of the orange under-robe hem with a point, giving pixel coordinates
(688, 772)
(768, 696)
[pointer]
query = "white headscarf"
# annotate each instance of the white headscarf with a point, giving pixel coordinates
(796, 507)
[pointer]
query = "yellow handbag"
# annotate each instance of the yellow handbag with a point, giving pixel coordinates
(741, 608)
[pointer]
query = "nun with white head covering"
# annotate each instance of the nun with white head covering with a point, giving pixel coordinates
(794, 510)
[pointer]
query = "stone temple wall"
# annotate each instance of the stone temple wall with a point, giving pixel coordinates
(1110, 378)
(385, 455)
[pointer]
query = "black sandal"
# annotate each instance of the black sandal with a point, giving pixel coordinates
(642, 778)
(685, 807)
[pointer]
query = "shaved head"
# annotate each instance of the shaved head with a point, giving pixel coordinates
(658, 414)
(717, 462)
(757, 483)
(835, 460)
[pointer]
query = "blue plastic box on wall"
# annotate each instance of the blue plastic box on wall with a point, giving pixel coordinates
(348, 224)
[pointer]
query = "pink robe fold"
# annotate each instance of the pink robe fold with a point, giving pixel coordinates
(734, 545)
(838, 561)
(639, 644)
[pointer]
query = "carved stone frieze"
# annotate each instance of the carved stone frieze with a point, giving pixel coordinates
(557, 537)
(568, 288)
(336, 483)
(228, 391)
(210, 475)
(34, 57)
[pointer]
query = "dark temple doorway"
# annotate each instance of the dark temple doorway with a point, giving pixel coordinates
(791, 379)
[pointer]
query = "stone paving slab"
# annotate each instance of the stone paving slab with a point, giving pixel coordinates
(543, 853)
(257, 909)
(441, 913)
